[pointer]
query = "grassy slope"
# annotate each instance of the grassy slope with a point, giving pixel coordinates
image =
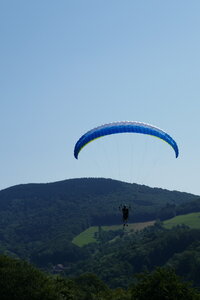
(192, 220)
(87, 236)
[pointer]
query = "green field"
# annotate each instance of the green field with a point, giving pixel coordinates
(192, 220)
(87, 236)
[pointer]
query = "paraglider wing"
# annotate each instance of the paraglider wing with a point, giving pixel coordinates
(123, 127)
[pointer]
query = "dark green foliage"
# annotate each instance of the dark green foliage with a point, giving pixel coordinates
(103, 236)
(162, 284)
(115, 262)
(58, 252)
(187, 263)
(90, 284)
(19, 280)
(189, 207)
(167, 212)
(171, 210)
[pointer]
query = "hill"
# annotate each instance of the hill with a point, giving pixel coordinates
(39, 221)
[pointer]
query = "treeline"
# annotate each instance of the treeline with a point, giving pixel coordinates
(20, 280)
(171, 210)
(113, 261)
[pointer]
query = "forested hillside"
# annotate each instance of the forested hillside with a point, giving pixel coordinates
(114, 259)
(39, 221)
(22, 281)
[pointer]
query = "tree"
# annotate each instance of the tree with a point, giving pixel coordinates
(162, 284)
(19, 280)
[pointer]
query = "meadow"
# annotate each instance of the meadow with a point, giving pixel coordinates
(88, 236)
(192, 220)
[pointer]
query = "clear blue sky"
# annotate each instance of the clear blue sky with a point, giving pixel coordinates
(68, 66)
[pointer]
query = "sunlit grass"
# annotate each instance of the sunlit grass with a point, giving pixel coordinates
(88, 236)
(192, 220)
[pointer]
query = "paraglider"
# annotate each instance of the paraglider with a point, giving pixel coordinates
(124, 127)
(125, 214)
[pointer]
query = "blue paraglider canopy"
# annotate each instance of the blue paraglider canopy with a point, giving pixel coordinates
(124, 127)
